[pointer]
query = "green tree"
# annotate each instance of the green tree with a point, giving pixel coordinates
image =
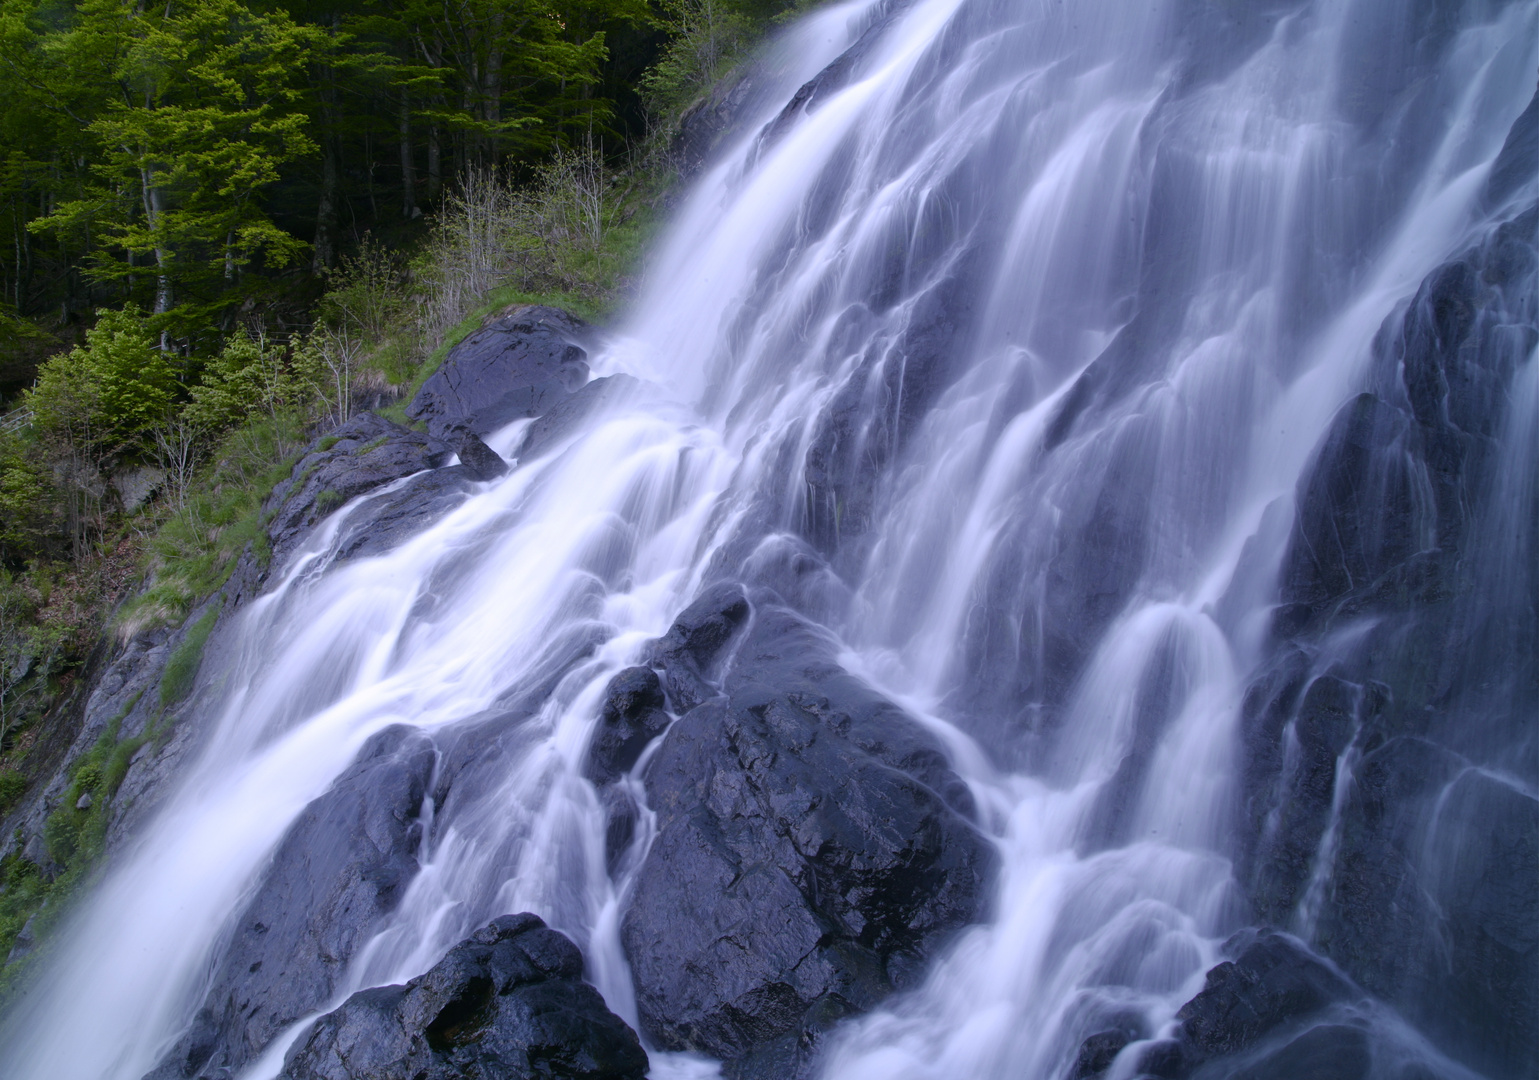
(26, 498)
(251, 375)
(204, 113)
(93, 404)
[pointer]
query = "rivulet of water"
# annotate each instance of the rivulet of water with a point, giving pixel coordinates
(1023, 335)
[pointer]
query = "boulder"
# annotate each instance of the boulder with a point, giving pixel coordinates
(1404, 645)
(507, 1002)
(480, 460)
(392, 518)
(518, 365)
(339, 870)
(633, 715)
(813, 847)
(688, 652)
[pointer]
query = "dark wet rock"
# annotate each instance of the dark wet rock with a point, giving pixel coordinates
(393, 517)
(1362, 465)
(507, 1002)
(814, 848)
(365, 453)
(1437, 861)
(482, 462)
(633, 715)
(1323, 1052)
(723, 114)
(1519, 157)
(518, 365)
(832, 79)
(1404, 678)
(567, 413)
(1272, 981)
(1101, 1048)
(1319, 727)
(341, 867)
(690, 652)
(1249, 1013)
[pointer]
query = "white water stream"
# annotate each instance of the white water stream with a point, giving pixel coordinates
(1021, 145)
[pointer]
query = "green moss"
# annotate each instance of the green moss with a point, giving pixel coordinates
(372, 446)
(182, 667)
(89, 776)
(327, 443)
(328, 500)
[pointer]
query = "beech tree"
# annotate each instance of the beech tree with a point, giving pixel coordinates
(202, 119)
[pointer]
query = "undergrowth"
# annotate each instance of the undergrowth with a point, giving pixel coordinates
(195, 549)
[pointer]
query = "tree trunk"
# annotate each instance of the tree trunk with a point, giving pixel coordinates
(154, 206)
(408, 171)
(491, 85)
(323, 251)
(435, 170)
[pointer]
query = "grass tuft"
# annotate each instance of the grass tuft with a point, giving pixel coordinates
(182, 667)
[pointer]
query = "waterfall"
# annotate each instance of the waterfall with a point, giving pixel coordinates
(1005, 354)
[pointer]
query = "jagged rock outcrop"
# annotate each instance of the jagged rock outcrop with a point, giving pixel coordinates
(365, 453)
(1385, 814)
(341, 867)
(813, 846)
(1273, 1011)
(509, 1002)
(633, 715)
(520, 364)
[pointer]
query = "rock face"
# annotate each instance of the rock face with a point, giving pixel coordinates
(508, 1002)
(365, 453)
(1272, 1012)
(813, 846)
(519, 365)
(570, 411)
(1390, 679)
(338, 871)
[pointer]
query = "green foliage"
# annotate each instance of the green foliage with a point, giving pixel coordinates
(29, 647)
(135, 381)
(195, 550)
(198, 115)
(182, 666)
(13, 785)
(706, 39)
(26, 497)
(251, 376)
(95, 399)
(22, 893)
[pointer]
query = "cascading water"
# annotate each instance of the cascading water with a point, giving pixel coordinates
(1016, 337)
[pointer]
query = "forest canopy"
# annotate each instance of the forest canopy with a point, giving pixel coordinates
(206, 159)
